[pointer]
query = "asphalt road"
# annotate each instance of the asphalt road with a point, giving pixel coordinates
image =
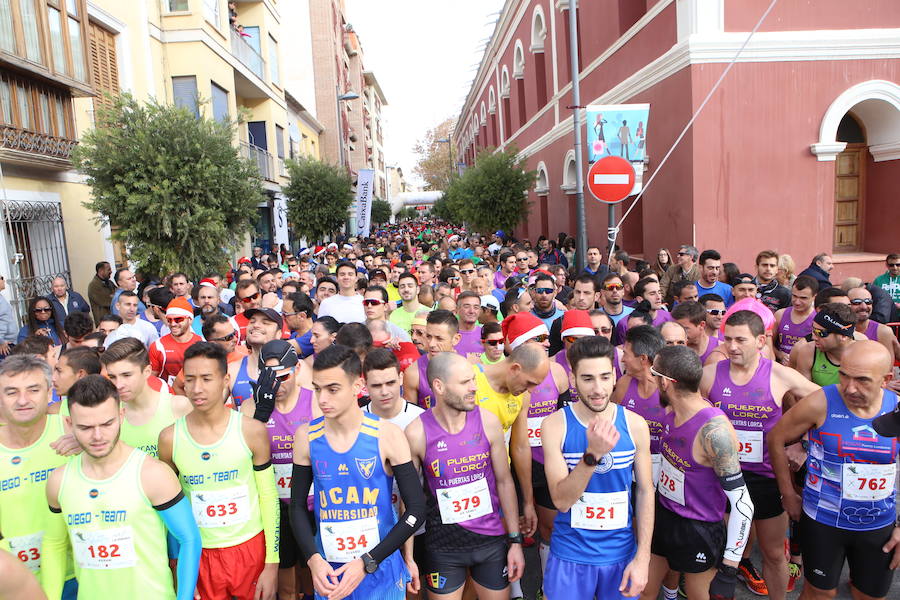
(531, 582)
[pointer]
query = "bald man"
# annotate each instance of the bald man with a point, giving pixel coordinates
(462, 452)
(848, 504)
(673, 333)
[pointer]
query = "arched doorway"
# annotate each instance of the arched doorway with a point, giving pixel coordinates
(860, 131)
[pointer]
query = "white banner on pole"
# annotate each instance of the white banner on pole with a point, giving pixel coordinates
(364, 182)
(280, 221)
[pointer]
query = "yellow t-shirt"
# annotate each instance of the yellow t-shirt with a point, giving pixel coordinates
(505, 406)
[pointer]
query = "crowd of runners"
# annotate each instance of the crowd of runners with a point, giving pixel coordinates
(399, 416)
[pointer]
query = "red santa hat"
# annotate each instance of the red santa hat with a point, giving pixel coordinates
(179, 307)
(522, 327)
(576, 322)
(208, 283)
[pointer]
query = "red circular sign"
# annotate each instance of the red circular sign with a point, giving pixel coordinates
(611, 179)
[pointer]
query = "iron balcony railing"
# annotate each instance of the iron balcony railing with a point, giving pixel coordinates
(263, 159)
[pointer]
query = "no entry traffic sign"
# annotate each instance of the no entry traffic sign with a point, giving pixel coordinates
(611, 179)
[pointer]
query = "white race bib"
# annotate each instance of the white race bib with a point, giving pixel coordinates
(104, 549)
(221, 508)
(348, 540)
(283, 474)
(750, 446)
(27, 548)
(867, 482)
(671, 482)
(465, 502)
(600, 511)
(655, 465)
(534, 431)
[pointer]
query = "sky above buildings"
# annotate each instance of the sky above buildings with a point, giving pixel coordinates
(424, 54)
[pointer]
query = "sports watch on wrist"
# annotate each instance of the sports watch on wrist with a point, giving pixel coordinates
(369, 563)
(589, 459)
(515, 538)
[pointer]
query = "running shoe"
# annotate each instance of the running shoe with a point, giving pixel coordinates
(751, 578)
(682, 590)
(795, 572)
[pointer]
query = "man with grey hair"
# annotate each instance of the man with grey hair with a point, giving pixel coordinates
(26, 455)
(63, 300)
(685, 268)
(820, 269)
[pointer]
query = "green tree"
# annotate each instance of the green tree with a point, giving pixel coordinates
(447, 208)
(319, 196)
(381, 211)
(492, 194)
(176, 188)
(436, 158)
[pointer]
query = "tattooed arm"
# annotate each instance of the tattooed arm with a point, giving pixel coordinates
(721, 449)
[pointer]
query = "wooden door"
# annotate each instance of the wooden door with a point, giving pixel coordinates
(849, 198)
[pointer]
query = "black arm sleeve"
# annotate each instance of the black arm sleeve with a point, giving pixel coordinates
(301, 519)
(413, 497)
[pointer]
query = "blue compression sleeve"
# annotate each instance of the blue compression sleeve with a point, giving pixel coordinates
(180, 522)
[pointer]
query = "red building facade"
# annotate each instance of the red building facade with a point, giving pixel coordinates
(798, 150)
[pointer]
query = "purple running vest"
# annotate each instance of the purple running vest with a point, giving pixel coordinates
(649, 408)
(752, 410)
(281, 428)
(710, 346)
(790, 333)
(454, 460)
(469, 343)
(424, 397)
(702, 498)
(872, 330)
(544, 398)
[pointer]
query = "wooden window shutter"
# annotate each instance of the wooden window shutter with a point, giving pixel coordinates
(104, 65)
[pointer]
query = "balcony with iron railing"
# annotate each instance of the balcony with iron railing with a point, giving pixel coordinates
(264, 161)
(26, 147)
(247, 54)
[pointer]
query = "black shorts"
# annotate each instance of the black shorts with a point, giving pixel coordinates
(446, 571)
(765, 496)
(288, 551)
(539, 484)
(825, 548)
(690, 546)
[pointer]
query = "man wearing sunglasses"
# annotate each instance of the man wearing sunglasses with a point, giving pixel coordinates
(375, 306)
(543, 292)
(167, 353)
(861, 303)
(750, 390)
(889, 281)
(832, 333)
(612, 293)
(700, 471)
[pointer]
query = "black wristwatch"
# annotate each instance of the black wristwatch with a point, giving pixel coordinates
(370, 564)
(515, 538)
(589, 459)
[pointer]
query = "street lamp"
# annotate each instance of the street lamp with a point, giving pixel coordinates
(340, 123)
(447, 141)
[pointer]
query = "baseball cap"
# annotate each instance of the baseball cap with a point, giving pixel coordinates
(281, 350)
(743, 278)
(269, 313)
(489, 301)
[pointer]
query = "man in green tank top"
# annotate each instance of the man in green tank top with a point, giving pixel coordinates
(223, 460)
(832, 333)
(26, 459)
(115, 504)
(147, 412)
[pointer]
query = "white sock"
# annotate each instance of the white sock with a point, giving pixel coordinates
(515, 590)
(670, 594)
(544, 551)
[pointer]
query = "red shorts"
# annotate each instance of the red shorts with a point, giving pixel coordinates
(232, 572)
